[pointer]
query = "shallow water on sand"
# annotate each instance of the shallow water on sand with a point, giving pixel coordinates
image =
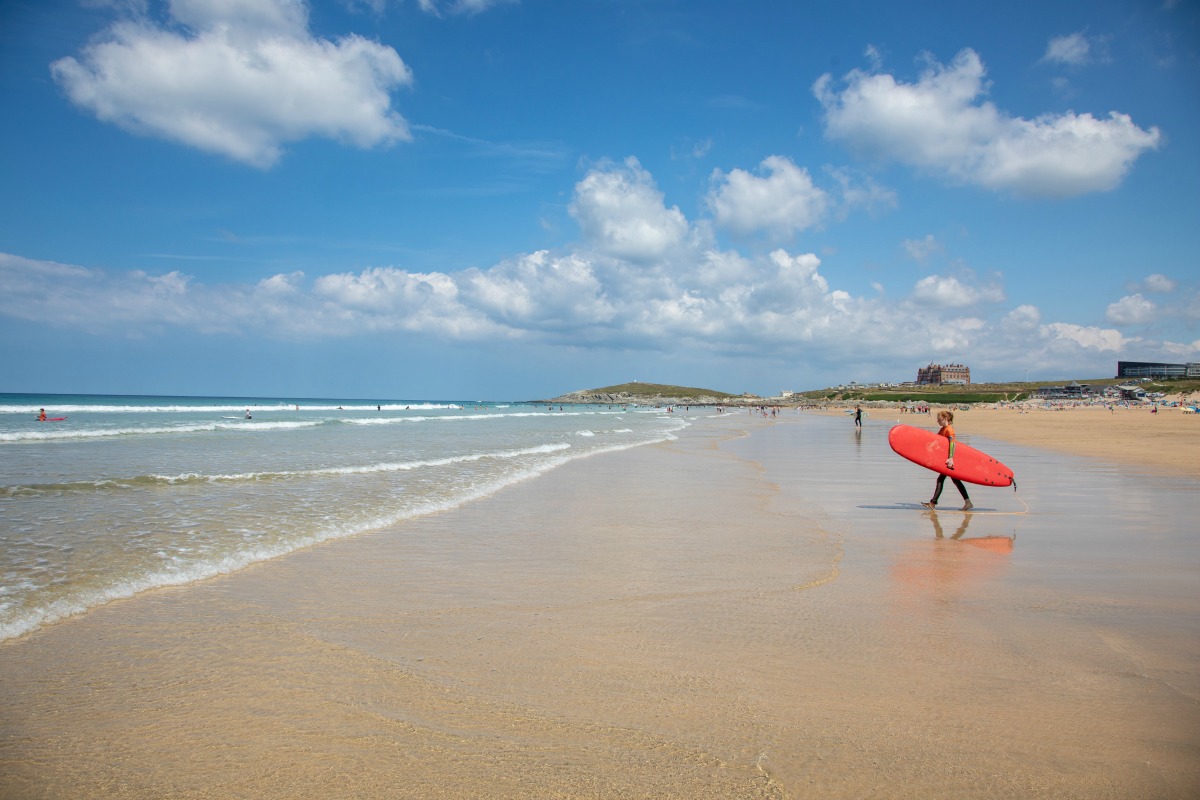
(131, 493)
(754, 610)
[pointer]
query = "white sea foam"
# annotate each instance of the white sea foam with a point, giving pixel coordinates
(199, 477)
(179, 572)
(119, 499)
(365, 469)
(238, 408)
(60, 433)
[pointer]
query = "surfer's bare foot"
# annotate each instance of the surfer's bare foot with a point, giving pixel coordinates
(967, 506)
(929, 505)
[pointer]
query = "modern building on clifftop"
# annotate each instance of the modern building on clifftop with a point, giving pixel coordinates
(1154, 369)
(944, 373)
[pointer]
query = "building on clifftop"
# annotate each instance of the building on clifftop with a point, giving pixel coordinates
(944, 373)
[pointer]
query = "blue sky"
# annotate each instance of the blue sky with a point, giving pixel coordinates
(507, 199)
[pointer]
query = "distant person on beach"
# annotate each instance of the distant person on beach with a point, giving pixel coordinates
(858, 416)
(946, 420)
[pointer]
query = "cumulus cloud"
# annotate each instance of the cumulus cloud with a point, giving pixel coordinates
(1130, 310)
(660, 285)
(941, 124)
(1159, 284)
(1076, 50)
(781, 199)
(1087, 337)
(542, 292)
(239, 78)
(621, 212)
(1023, 318)
(950, 292)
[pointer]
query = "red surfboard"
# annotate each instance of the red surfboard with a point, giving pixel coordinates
(52, 419)
(929, 450)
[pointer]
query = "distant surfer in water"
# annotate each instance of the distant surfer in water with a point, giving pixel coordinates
(42, 415)
(946, 420)
(858, 416)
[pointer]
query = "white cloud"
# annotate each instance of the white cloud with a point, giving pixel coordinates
(777, 306)
(920, 250)
(1073, 50)
(781, 199)
(1182, 350)
(1159, 283)
(240, 78)
(1077, 50)
(859, 191)
(1023, 318)
(1132, 309)
(661, 288)
(941, 125)
(542, 292)
(1087, 337)
(469, 7)
(289, 17)
(621, 212)
(950, 292)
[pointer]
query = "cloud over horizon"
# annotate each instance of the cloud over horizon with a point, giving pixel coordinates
(642, 277)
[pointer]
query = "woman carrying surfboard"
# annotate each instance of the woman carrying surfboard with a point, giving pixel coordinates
(946, 420)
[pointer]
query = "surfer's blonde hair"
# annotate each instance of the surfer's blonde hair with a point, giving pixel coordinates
(947, 413)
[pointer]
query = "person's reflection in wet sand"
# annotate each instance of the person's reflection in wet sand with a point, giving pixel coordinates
(937, 526)
(941, 572)
(997, 544)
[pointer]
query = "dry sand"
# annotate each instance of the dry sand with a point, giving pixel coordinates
(754, 610)
(1167, 442)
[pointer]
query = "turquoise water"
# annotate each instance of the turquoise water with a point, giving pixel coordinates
(129, 493)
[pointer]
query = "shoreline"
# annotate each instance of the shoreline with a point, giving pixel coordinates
(749, 610)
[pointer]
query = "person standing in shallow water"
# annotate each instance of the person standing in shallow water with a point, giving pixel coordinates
(946, 420)
(858, 416)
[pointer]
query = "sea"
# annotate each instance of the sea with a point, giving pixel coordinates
(130, 493)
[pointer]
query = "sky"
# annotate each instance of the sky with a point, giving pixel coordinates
(513, 199)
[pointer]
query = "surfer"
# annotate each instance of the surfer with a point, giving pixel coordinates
(42, 415)
(858, 416)
(946, 420)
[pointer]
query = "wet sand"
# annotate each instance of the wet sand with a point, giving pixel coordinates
(758, 609)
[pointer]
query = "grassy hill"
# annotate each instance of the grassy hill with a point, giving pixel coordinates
(647, 393)
(981, 392)
(665, 390)
(659, 393)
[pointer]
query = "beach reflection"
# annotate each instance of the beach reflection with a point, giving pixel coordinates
(942, 569)
(996, 544)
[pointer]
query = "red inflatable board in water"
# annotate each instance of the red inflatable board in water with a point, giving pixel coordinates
(929, 450)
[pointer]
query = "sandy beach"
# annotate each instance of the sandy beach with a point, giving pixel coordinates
(1166, 441)
(756, 609)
